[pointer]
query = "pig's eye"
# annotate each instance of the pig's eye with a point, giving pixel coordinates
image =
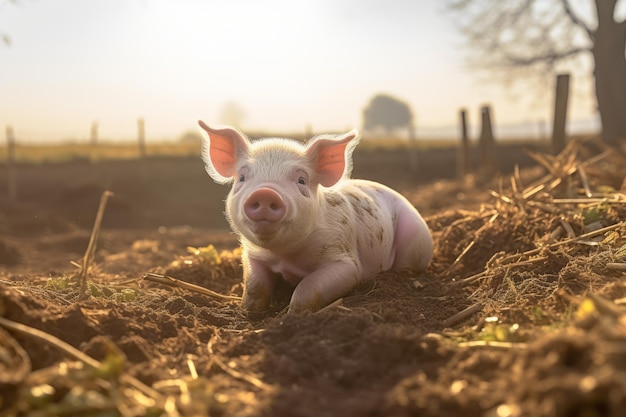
(242, 178)
(302, 180)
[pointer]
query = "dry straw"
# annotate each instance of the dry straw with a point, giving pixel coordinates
(544, 218)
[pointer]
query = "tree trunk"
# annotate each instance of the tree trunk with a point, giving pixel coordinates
(609, 49)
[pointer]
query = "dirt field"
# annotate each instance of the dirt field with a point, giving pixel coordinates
(540, 272)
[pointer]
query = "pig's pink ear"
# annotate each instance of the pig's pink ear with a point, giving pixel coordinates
(332, 156)
(221, 148)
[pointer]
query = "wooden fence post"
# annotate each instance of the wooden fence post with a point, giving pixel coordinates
(11, 170)
(560, 112)
(413, 156)
(94, 134)
(487, 142)
(141, 139)
(462, 156)
(93, 140)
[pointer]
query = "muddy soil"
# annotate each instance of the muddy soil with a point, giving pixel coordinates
(544, 333)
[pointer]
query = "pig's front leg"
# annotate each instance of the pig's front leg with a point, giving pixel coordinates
(258, 285)
(325, 285)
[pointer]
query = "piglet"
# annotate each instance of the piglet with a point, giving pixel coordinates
(299, 216)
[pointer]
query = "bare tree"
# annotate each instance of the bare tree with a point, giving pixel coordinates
(539, 35)
(389, 113)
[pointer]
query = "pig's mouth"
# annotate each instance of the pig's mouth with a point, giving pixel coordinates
(266, 234)
(264, 230)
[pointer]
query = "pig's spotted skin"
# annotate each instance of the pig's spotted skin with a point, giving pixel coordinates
(330, 237)
(333, 199)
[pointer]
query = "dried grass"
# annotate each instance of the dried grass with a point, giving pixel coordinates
(560, 231)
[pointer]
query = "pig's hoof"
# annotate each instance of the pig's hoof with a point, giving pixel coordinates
(304, 308)
(255, 305)
(300, 310)
(305, 303)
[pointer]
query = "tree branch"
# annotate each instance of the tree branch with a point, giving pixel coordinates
(576, 20)
(528, 36)
(548, 58)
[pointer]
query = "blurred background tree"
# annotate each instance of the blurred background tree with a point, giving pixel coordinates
(537, 36)
(232, 114)
(389, 113)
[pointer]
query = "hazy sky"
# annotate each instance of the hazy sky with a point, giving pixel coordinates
(288, 64)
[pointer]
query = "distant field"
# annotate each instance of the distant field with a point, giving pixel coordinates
(69, 152)
(129, 150)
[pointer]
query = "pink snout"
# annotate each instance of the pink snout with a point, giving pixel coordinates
(264, 204)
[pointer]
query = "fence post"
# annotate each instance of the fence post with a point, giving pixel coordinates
(560, 112)
(413, 156)
(487, 142)
(141, 139)
(462, 156)
(93, 141)
(11, 170)
(94, 134)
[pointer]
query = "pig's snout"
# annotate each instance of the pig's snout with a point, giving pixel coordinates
(264, 204)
